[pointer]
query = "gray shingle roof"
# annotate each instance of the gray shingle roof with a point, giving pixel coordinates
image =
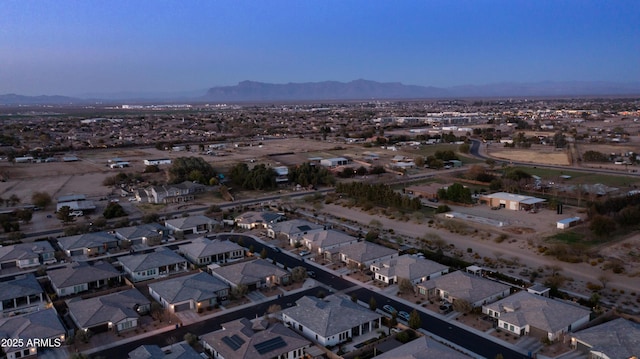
(329, 316)
(467, 286)
(20, 287)
(41, 324)
(87, 240)
(204, 247)
(619, 338)
(251, 338)
(80, 273)
(151, 260)
(107, 308)
(409, 267)
(249, 272)
(197, 287)
(524, 308)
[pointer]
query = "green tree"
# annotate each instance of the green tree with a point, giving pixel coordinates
(415, 321)
(64, 214)
(41, 199)
(602, 225)
(24, 215)
(263, 253)
(405, 285)
(114, 210)
(299, 274)
(373, 305)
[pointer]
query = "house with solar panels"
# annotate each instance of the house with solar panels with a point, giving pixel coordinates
(258, 339)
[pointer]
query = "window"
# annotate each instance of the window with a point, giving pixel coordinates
(511, 328)
(505, 325)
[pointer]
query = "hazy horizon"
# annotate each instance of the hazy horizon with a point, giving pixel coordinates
(75, 48)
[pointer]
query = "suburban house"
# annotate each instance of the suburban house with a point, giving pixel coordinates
(254, 274)
(145, 234)
(42, 324)
(415, 269)
(191, 292)
(203, 251)
(26, 255)
(428, 191)
(422, 347)
(255, 219)
(175, 193)
(75, 278)
(293, 230)
(363, 254)
(460, 285)
(89, 244)
(321, 241)
(177, 351)
(618, 338)
(76, 202)
(190, 225)
(515, 202)
(159, 263)
(117, 312)
(334, 162)
(330, 321)
(157, 162)
(244, 339)
(20, 295)
(524, 313)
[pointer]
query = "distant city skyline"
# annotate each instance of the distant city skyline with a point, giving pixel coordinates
(76, 48)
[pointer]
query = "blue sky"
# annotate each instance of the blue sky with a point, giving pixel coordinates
(75, 47)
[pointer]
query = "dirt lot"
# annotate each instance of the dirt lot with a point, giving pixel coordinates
(536, 154)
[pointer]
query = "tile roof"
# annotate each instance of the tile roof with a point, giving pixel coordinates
(41, 324)
(422, 348)
(80, 273)
(145, 261)
(197, 287)
(24, 251)
(249, 272)
(107, 308)
(21, 286)
(329, 316)
(189, 222)
(619, 338)
(204, 247)
(363, 252)
(177, 351)
(254, 342)
(409, 267)
(295, 226)
(467, 286)
(524, 308)
(87, 240)
(327, 238)
(141, 231)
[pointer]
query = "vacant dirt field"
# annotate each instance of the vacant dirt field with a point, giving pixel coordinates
(542, 155)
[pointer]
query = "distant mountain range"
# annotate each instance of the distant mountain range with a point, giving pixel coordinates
(251, 91)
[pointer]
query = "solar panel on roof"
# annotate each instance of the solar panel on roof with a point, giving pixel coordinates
(304, 228)
(269, 345)
(234, 342)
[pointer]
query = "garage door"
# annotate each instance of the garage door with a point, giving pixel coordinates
(100, 328)
(181, 307)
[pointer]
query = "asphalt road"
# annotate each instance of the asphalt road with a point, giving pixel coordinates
(475, 343)
(204, 327)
